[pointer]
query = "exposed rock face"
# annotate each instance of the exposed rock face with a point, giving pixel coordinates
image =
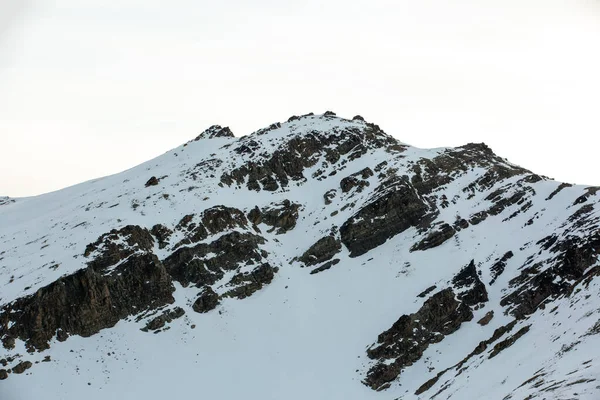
(471, 290)
(204, 264)
(357, 180)
(167, 316)
(536, 284)
(508, 342)
(162, 235)
(119, 282)
(498, 268)
(281, 216)
(323, 250)
(435, 238)
(3, 374)
(288, 162)
(249, 282)
(407, 339)
(211, 221)
(21, 367)
(215, 131)
(397, 207)
(206, 301)
(441, 315)
(325, 266)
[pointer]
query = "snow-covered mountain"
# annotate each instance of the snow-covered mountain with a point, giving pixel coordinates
(318, 258)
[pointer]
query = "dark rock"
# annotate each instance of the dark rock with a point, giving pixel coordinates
(250, 282)
(558, 189)
(61, 335)
(357, 118)
(460, 224)
(162, 235)
(508, 342)
(397, 207)
(535, 285)
(166, 317)
(220, 218)
(325, 266)
(152, 182)
(3, 374)
(205, 263)
(435, 238)
(472, 290)
(288, 162)
(21, 367)
(486, 318)
(498, 268)
(481, 347)
(215, 131)
(281, 216)
(116, 284)
(324, 249)
(407, 339)
(206, 301)
(329, 196)
(329, 114)
(425, 292)
(356, 180)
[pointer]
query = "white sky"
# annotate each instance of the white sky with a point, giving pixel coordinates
(90, 87)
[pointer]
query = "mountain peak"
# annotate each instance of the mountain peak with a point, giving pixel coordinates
(319, 252)
(215, 131)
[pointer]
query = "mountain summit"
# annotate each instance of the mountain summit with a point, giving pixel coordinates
(317, 258)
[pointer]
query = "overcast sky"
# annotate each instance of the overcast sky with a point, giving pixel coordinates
(89, 88)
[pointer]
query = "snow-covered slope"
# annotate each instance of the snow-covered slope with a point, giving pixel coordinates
(317, 258)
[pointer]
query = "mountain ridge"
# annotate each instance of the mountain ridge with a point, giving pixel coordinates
(451, 258)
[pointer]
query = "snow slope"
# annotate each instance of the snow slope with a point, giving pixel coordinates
(306, 335)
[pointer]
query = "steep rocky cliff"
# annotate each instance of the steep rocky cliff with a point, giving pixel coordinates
(316, 258)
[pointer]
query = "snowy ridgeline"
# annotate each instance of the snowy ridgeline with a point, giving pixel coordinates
(317, 258)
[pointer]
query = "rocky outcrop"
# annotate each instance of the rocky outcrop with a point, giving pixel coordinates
(323, 250)
(162, 235)
(215, 131)
(206, 263)
(396, 208)
(357, 180)
(288, 162)
(441, 315)
(123, 279)
(211, 221)
(153, 181)
(282, 216)
(167, 316)
(498, 268)
(407, 339)
(21, 367)
(325, 266)
(538, 283)
(469, 288)
(439, 235)
(249, 282)
(206, 301)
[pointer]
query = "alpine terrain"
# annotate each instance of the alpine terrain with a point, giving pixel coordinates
(318, 258)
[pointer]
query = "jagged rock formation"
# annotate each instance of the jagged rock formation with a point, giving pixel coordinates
(319, 252)
(441, 315)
